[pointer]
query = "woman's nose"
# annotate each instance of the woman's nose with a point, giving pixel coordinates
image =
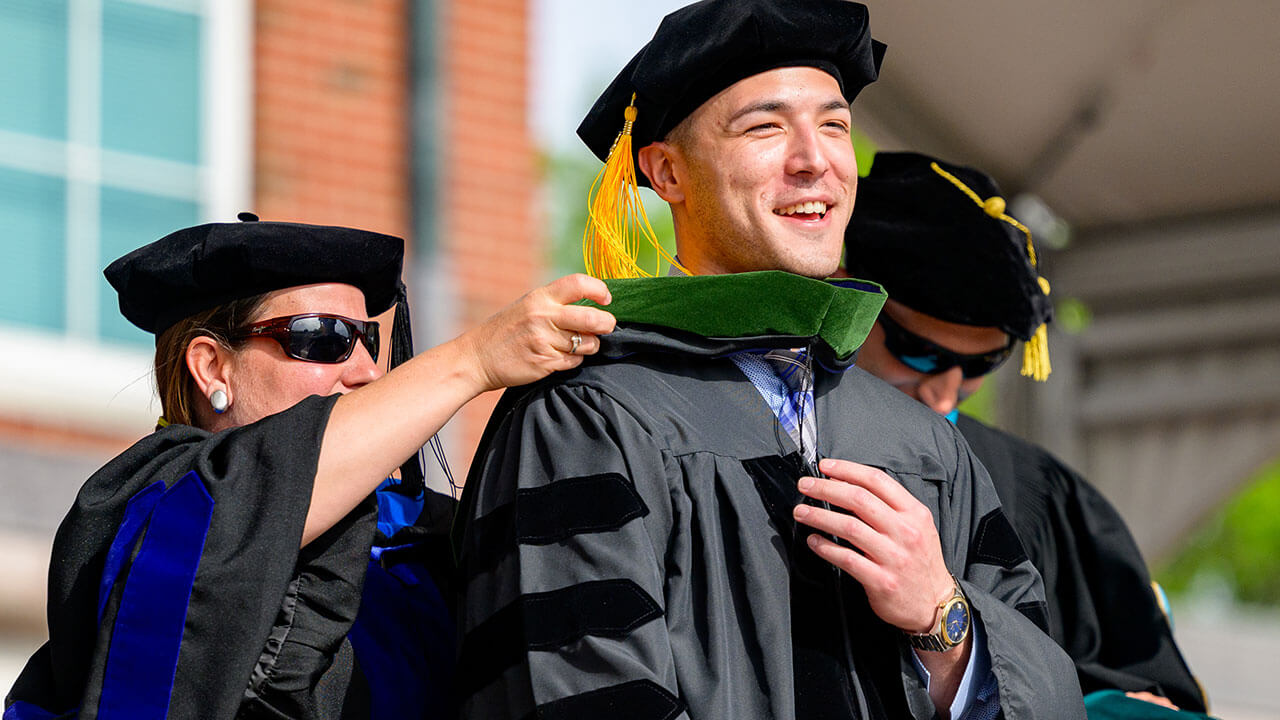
(360, 368)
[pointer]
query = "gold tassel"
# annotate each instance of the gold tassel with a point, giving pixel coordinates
(1035, 352)
(616, 219)
(161, 422)
(1035, 355)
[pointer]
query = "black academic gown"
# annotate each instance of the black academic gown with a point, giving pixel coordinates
(1102, 609)
(177, 588)
(628, 551)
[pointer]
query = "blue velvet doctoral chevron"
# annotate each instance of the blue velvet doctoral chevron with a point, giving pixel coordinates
(147, 634)
(136, 514)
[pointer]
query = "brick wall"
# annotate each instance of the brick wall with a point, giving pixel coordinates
(332, 101)
(331, 112)
(492, 229)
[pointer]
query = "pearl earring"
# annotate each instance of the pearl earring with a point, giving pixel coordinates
(218, 399)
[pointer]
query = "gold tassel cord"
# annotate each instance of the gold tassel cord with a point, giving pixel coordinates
(616, 218)
(1035, 352)
(993, 206)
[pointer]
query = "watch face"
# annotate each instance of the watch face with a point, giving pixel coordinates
(957, 622)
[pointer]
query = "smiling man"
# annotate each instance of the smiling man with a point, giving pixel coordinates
(722, 518)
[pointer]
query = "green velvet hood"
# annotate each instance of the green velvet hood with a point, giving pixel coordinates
(722, 314)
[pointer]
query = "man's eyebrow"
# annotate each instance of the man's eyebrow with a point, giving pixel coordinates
(783, 106)
(761, 106)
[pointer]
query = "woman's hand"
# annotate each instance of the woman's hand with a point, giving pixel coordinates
(534, 336)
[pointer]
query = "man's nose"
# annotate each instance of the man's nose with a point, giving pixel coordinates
(806, 154)
(941, 392)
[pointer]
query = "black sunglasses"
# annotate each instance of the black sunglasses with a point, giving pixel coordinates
(930, 358)
(316, 337)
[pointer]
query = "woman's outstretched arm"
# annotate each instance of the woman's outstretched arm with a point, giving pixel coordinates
(373, 429)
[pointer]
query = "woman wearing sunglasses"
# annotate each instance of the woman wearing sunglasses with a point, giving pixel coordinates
(238, 562)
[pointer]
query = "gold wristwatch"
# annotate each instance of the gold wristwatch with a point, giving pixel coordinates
(953, 625)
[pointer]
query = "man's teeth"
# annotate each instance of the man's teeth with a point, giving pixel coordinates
(804, 208)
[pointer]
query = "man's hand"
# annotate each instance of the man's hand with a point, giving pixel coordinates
(898, 558)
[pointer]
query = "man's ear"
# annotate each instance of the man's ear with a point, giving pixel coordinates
(210, 365)
(661, 163)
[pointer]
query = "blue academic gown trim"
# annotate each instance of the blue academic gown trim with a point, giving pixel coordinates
(143, 659)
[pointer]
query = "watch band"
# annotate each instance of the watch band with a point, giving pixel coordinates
(931, 643)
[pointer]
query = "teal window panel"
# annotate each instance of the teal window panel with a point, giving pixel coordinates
(129, 221)
(33, 245)
(33, 67)
(151, 81)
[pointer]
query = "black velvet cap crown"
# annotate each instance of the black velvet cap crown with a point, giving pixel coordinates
(937, 251)
(704, 48)
(199, 268)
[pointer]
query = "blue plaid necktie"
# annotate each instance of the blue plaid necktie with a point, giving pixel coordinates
(785, 380)
(796, 414)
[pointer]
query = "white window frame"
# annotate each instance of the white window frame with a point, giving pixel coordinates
(73, 378)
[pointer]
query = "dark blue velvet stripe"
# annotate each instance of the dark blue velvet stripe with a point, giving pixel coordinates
(135, 518)
(146, 638)
(27, 711)
(404, 643)
(856, 284)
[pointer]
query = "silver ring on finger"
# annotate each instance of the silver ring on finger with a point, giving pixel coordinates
(575, 342)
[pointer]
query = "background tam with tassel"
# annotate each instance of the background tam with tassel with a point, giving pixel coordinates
(938, 237)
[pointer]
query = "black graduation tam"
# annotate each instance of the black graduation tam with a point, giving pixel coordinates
(704, 48)
(937, 237)
(202, 267)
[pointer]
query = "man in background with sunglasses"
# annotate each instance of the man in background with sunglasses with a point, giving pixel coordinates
(964, 290)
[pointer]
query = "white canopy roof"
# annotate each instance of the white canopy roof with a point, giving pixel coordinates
(1114, 113)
